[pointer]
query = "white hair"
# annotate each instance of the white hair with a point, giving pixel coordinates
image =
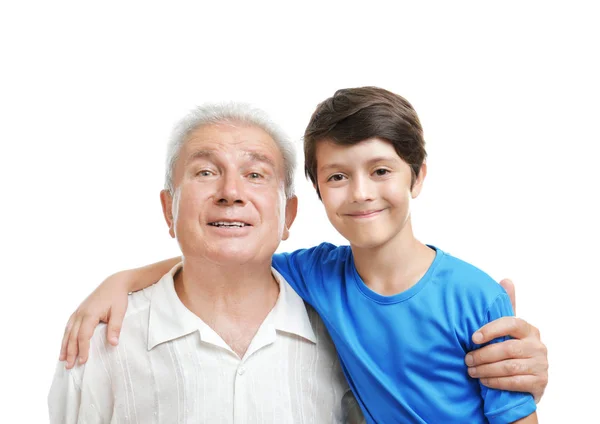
(232, 112)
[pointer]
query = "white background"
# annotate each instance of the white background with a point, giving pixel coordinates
(508, 95)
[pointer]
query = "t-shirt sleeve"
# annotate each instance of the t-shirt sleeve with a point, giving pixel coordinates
(302, 270)
(502, 406)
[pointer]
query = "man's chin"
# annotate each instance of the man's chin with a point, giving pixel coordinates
(229, 256)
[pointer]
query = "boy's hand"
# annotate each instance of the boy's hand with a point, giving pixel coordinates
(107, 303)
(519, 364)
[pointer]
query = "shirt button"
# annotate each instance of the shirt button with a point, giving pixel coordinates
(241, 370)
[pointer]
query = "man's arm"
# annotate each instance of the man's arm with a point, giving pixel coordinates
(107, 303)
(64, 398)
(519, 364)
(83, 394)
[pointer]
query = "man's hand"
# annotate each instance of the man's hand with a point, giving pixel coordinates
(107, 303)
(519, 364)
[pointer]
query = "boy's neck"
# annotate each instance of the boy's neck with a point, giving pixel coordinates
(395, 266)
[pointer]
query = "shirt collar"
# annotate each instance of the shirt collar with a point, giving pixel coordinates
(289, 313)
(170, 319)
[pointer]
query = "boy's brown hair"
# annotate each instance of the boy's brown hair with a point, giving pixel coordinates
(353, 115)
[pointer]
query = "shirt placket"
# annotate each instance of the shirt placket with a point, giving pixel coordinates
(241, 394)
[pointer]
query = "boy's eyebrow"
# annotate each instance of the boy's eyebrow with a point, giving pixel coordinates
(329, 166)
(370, 162)
(382, 159)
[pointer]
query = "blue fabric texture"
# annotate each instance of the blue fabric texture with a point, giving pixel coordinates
(403, 355)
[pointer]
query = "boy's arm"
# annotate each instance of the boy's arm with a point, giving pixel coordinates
(107, 303)
(519, 364)
(502, 406)
(530, 419)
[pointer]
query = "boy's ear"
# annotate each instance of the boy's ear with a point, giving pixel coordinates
(418, 184)
(291, 208)
(166, 200)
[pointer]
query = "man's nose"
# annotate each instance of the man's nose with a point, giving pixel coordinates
(231, 190)
(362, 189)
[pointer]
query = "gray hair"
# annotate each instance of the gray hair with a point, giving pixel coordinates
(233, 112)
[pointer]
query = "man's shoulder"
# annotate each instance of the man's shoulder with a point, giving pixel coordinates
(139, 301)
(135, 320)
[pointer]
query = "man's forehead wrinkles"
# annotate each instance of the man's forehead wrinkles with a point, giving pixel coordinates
(255, 155)
(249, 144)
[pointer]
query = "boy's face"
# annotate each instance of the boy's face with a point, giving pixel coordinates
(366, 191)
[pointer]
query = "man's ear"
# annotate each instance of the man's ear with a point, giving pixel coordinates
(291, 208)
(166, 200)
(418, 184)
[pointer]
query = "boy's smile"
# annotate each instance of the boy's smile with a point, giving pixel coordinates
(366, 190)
(365, 214)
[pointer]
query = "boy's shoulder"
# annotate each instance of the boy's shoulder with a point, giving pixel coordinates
(332, 252)
(322, 253)
(462, 277)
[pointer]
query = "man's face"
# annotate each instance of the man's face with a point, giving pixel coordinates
(229, 204)
(366, 190)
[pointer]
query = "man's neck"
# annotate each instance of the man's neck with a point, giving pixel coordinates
(232, 299)
(395, 266)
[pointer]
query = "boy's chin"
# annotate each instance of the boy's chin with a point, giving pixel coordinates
(367, 242)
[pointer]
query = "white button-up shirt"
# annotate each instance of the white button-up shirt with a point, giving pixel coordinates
(170, 367)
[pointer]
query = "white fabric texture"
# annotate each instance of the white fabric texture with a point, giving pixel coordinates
(170, 367)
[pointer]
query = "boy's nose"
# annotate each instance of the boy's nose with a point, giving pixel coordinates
(362, 190)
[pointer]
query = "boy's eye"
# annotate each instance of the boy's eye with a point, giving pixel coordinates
(336, 177)
(382, 171)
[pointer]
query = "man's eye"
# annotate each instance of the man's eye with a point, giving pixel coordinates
(380, 172)
(204, 173)
(336, 177)
(254, 175)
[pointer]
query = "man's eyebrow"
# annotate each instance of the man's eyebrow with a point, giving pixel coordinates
(260, 157)
(199, 154)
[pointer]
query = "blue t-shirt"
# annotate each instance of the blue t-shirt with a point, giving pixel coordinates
(403, 355)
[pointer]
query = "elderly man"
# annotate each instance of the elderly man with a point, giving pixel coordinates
(222, 337)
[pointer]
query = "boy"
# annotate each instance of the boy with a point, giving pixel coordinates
(400, 313)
